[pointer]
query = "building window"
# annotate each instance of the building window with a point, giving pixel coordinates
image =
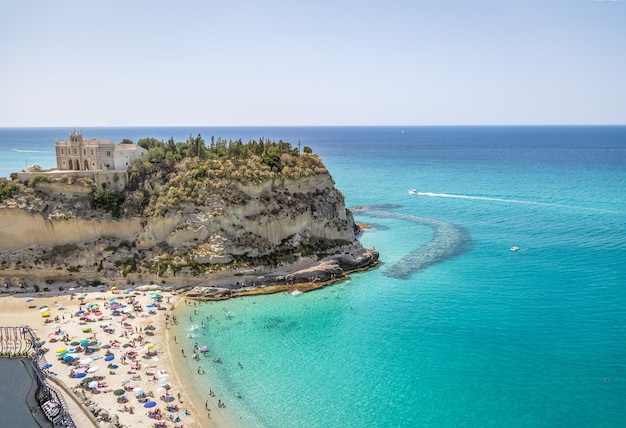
(74, 151)
(84, 151)
(91, 152)
(62, 151)
(108, 153)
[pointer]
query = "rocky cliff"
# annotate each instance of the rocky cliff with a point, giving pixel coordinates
(188, 227)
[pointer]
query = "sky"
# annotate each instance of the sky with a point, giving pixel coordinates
(312, 62)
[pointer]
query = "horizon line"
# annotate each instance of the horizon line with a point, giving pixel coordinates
(320, 126)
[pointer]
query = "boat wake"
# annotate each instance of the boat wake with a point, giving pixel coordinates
(31, 151)
(449, 241)
(504, 200)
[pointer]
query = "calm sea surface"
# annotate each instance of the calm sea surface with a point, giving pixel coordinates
(491, 337)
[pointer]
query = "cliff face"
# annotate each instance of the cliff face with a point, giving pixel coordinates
(271, 229)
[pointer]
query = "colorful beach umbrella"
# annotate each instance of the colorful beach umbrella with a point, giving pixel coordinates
(61, 350)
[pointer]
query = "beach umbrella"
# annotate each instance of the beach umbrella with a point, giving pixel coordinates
(109, 358)
(45, 314)
(68, 358)
(93, 384)
(61, 350)
(138, 389)
(43, 307)
(30, 300)
(94, 357)
(93, 369)
(149, 346)
(85, 361)
(150, 404)
(71, 289)
(80, 375)
(114, 288)
(46, 366)
(87, 380)
(80, 312)
(118, 392)
(168, 398)
(84, 342)
(81, 298)
(62, 354)
(75, 343)
(163, 381)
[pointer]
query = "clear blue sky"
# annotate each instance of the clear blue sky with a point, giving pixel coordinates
(313, 62)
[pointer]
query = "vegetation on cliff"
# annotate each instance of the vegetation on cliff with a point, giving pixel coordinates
(191, 173)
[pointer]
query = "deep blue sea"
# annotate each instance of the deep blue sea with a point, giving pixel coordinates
(487, 337)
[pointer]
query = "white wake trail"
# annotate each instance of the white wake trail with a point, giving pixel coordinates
(512, 201)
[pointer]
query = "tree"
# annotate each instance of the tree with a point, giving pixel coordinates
(307, 150)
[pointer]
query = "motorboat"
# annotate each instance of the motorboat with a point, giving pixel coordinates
(412, 192)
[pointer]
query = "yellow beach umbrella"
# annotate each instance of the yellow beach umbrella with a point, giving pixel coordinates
(45, 314)
(149, 346)
(114, 288)
(61, 350)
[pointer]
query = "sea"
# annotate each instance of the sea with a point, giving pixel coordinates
(500, 300)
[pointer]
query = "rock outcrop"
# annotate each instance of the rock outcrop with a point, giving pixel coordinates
(282, 230)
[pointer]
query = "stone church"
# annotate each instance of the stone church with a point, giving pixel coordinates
(78, 154)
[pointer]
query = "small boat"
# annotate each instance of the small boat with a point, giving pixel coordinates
(412, 192)
(296, 293)
(514, 248)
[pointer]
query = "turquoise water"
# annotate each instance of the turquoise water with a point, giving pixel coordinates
(490, 337)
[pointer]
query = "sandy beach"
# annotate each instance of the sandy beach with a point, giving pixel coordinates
(110, 354)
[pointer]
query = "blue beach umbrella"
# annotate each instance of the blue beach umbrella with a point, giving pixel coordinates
(30, 300)
(150, 404)
(46, 366)
(79, 375)
(109, 357)
(68, 358)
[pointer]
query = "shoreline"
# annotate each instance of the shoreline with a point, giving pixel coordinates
(194, 393)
